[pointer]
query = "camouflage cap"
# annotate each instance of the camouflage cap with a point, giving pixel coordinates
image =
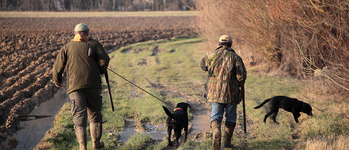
(81, 27)
(225, 38)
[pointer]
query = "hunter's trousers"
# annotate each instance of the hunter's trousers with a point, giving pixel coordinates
(86, 103)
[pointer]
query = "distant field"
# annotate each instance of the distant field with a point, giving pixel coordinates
(32, 14)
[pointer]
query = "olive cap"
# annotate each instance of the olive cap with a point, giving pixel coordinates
(81, 27)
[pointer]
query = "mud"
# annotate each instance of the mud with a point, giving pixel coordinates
(200, 122)
(28, 47)
(198, 125)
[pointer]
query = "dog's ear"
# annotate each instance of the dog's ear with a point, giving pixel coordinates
(168, 113)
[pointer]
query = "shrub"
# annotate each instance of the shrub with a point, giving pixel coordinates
(299, 37)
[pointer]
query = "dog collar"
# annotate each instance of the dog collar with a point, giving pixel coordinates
(177, 109)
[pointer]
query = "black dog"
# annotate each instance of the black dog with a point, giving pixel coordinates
(177, 121)
(289, 104)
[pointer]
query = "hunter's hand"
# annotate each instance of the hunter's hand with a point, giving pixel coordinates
(59, 85)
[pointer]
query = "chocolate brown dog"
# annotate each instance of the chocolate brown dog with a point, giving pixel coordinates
(289, 104)
(177, 121)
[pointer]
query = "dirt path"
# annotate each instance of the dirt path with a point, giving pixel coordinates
(199, 125)
(200, 107)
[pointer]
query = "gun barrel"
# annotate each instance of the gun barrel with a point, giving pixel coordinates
(111, 99)
(243, 105)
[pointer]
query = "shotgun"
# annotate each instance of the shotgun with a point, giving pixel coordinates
(89, 53)
(243, 106)
(107, 80)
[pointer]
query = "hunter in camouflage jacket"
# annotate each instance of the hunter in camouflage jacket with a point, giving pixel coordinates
(226, 72)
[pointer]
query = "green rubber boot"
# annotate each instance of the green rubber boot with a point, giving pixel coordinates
(96, 134)
(80, 133)
(228, 134)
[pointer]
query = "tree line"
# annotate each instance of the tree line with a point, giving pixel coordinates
(96, 5)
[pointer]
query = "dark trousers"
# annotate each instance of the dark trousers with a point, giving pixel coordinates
(86, 103)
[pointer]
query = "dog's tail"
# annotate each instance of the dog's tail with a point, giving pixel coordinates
(168, 113)
(259, 106)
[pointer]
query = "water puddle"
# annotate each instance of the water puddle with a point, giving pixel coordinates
(34, 130)
(157, 133)
(200, 124)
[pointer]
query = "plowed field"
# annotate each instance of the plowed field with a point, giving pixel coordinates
(28, 47)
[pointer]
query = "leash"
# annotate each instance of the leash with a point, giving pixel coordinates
(314, 105)
(107, 79)
(318, 108)
(140, 88)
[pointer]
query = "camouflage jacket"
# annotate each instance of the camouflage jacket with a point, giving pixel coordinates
(226, 73)
(83, 71)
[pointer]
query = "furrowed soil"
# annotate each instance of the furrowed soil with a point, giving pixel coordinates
(28, 47)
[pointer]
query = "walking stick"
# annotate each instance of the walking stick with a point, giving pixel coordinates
(243, 106)
(111, 99)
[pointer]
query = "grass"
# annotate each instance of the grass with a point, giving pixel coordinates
(157, 74)
(259, 87)
(170, 70)
(35, 14)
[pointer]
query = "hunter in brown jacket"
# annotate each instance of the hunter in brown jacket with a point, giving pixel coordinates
(85, 60)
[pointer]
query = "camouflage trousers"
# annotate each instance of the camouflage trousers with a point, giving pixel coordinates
(86, 103)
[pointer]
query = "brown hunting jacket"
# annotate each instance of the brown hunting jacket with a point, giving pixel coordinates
(83, 71)
(227, 73)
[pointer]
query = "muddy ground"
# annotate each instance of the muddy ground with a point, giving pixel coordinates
(28, 47)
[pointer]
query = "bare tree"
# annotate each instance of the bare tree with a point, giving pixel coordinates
(101, 5)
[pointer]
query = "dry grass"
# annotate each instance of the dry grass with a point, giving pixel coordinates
(307, 39)
(328, 143)
(299, 37)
